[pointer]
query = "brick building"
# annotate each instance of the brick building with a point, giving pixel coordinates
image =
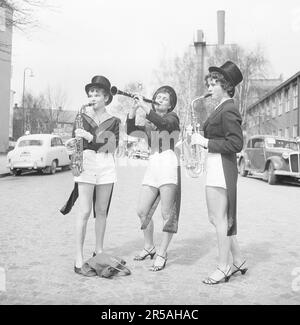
(277, 112)
(5, 75)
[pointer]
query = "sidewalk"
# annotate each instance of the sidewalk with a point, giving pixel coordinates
(4, 171)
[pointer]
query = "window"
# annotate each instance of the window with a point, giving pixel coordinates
(268, 110)
(295, 131)
(261, 113)
(257, 143)
(287, 132)
(295, 95)
(59, 142)
(280, 95)
(284, 99)
(280, 132)
(32, 142)
(53, 142)
(274, 108)
(287, 99)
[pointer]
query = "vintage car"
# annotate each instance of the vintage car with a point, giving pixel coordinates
(271, 158)
(41, 152)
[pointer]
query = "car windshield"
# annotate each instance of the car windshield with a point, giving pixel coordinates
(274, 143)
(31, 142)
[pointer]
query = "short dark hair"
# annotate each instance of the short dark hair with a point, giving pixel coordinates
(166, 90)
(104, 91)
(219, 77)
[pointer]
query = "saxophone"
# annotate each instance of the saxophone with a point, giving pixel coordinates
(193, 156)
(75, 145)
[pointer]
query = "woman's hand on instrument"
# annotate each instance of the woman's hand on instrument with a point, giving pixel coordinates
(84, 134)
(139, 103)
(197, 138)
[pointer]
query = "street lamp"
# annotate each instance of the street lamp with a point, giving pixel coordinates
(23, 97)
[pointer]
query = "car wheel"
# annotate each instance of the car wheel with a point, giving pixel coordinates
(272, 179)
(67, 167)
(17, 172)
(53, 167)
(243, 170)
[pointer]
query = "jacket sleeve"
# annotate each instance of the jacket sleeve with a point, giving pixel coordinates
(169, 122)
(131, 127)
(233, 135)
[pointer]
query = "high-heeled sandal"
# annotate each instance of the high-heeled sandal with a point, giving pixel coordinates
(148, 253)
(211, 281)
(156, 268)
(240, 269)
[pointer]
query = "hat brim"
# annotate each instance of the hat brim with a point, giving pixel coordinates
(172, 94)
(101, 86)
(226, 76)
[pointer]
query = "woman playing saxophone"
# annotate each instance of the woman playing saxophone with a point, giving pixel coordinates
(94, 182)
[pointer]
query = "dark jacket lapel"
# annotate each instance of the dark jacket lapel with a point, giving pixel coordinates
(219, 109)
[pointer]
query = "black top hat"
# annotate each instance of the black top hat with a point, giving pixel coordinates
(100, 82)
(230, 71)
(173, 96)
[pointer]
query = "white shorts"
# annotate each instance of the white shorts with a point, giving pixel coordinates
(98, 168)
(162, 169)
(214, 170)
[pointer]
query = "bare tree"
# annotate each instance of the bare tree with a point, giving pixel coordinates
(253, 64)
(42, 112)
(121, 109)
(55, 101)
(23, 12)
(181, 72)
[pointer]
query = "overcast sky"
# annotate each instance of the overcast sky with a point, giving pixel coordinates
(126, 39)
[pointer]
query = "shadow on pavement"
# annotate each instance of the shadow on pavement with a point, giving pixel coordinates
(184, 252)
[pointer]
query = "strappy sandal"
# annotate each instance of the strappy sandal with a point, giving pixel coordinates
(148, 253)
(155, 268)
(211, 281)
(240, 269)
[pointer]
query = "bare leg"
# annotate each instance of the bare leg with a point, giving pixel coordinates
(237, 256)
(85, 205)
(216, 198)
(102, 199)
(167, 195)
(146, 199)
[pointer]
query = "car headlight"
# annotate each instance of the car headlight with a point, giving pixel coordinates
(285, 155)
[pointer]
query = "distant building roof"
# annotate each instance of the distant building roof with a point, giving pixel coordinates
(260, 87)
(274, 90)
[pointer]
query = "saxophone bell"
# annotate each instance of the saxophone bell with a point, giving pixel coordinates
(75, 145)
(194, 156)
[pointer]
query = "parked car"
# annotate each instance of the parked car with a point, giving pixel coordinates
(271, 158)
(41, 152)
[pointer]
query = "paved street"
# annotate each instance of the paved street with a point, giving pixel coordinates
(37, 246)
